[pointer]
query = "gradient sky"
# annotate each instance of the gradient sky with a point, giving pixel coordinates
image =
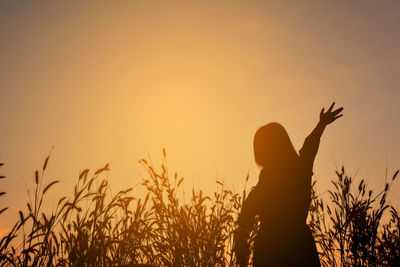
(115, 81)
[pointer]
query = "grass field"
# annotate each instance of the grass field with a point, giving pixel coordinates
(352, 227)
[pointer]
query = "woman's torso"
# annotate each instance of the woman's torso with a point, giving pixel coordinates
(283, 201)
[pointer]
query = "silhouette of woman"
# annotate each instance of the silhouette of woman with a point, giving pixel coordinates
(281, 198)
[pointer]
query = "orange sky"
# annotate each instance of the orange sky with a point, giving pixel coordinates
(113, 81)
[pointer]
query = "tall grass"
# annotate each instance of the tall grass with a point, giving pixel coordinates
(93, 227)
(356, 227)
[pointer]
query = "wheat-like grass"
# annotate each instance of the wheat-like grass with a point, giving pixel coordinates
(94, 227)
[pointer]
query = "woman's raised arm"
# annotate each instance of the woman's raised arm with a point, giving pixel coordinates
(311, 144)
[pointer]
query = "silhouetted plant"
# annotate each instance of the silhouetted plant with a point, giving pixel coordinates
(196, 233)
(349, 227)
(93, 227)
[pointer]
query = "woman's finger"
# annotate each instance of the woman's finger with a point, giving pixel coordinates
(337, 111)
(331, 107)
(338, 116)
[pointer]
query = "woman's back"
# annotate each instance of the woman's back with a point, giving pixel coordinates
(283, 238)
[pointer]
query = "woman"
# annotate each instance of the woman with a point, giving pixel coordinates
(281, 198)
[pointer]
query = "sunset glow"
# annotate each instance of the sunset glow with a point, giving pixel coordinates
(115, 82)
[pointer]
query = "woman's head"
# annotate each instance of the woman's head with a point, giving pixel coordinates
(272, 146)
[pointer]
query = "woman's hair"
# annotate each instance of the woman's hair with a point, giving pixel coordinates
(272, 146)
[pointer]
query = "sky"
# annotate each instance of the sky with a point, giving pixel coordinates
(118, 81)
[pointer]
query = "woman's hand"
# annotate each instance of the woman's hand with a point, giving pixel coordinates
(330, 115)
